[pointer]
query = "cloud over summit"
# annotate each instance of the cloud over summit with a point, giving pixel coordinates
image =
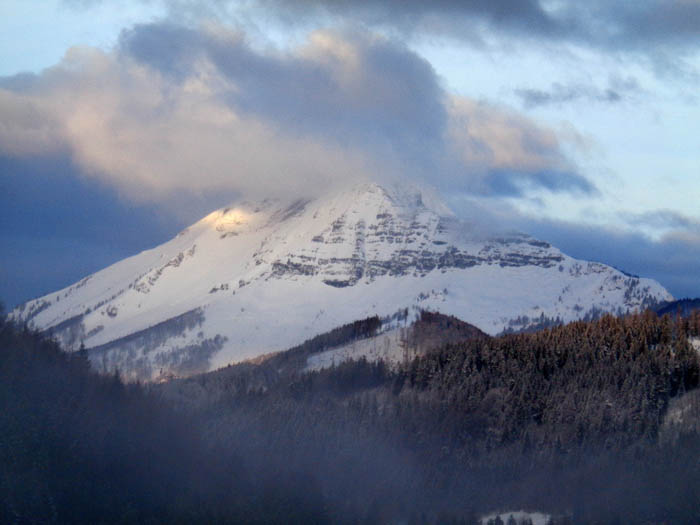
(579, 112)
(175, 109)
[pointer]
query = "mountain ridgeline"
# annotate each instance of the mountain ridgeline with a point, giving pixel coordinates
(200, 301)
(682, 307)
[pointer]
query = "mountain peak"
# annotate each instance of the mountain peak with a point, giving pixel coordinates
(405, 195)
(258, 277)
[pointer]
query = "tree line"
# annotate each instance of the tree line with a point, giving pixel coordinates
(568, 420)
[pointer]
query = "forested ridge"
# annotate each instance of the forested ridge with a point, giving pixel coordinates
(77, 447)
(570, 420)
(606, 383)
(595, 422)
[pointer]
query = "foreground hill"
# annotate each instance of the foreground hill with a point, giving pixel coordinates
(598, 421)
(78, 447)
(594, 422)
(260, 277)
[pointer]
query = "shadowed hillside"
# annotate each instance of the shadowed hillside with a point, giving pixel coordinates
(572, 420)
(595, 422)
(81, 448)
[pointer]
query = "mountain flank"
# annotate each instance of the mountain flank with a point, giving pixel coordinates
(256, 278)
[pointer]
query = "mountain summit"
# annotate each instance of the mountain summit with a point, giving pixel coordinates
(258, 277)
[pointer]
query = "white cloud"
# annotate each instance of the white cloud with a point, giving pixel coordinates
(340, 107)
(492, 137)
(27, 126)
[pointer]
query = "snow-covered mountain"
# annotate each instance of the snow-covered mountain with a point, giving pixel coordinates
(260, 277)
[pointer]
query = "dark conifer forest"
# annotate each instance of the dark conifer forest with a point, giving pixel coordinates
(592, 422)
(77, 447)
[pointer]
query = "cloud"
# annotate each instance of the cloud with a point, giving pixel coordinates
(560, 94)
(28, 125)
(663, 33)
(642, 26)
(440, 16)
(618, 90)
(507, 153)
(174, 110)
(672, 22)
(666, 259)
(131, 126)
(58, 226)
(356, 89)
(665, 220)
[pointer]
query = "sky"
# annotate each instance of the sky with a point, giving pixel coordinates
(123, 122)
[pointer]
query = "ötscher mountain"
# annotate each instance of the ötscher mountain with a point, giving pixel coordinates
(260, 277)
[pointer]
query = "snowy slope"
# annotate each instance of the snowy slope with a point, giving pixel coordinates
(260, 277)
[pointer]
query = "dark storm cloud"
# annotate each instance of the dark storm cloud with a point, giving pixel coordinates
(354, 88)
(169, 48)
(525, 16)
(675, 22)
(672, 260)
(58, 227)
(559, 94)
(617, 90)
(665, 219)
(665, 31)
(616, 25)
(508, 183)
